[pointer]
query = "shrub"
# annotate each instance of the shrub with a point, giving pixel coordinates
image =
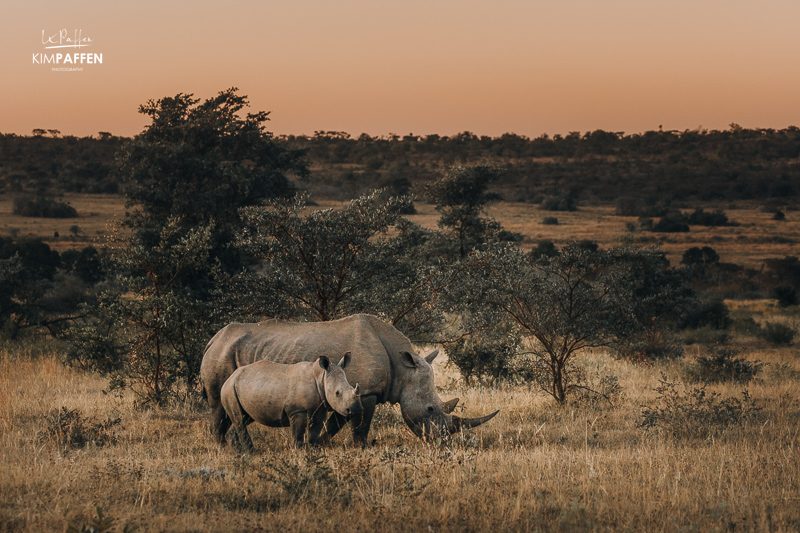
(722, 365)
(42, 207)
(711, 219)
(694, 412)
(628, 206)
(786, 295)
(68, 428)
(558, 203)
(543, 249)
(671, 223)
(490, 355)
(778, 334)
(711, 313)
(550, 221)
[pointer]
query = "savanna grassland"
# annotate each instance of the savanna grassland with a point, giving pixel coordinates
(68, 446)
(536, 466)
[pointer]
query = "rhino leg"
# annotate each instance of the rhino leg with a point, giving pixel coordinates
(233, 427)
(240, 439)
(332, 426)
(299, 422)
(361, 424)
(220, 423)
(317, 423)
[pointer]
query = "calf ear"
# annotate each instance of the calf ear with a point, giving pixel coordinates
(408, 359)
(324, 362)
(345, 360)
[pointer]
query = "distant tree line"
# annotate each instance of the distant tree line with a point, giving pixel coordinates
(662, 166)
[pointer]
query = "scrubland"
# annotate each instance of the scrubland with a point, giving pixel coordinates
(756, 237)
(68, 447)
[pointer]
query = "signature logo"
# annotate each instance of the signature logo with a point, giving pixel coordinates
(62, 39)
(66, 60)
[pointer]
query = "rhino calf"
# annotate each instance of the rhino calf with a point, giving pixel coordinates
(279, 395)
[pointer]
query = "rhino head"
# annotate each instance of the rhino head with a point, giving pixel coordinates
(342, 398)
(423, 411)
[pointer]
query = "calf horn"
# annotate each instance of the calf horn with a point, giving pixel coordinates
(466, 423)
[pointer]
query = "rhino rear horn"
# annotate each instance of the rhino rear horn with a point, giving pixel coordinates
(431, 356)
(449, 406)
(466, 423)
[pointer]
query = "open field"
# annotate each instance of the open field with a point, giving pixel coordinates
(534, 467)
(95, 213)
(756, 238)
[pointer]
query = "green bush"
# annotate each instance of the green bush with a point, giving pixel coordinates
(711, 313)
(778, 334)
(722, 365)
(695, 413)
(786, 295)
(558, 203)
(42, 207)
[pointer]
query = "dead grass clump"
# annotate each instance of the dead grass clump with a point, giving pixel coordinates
(68, 428)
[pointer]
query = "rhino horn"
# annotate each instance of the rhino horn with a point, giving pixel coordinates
(450, 405)
(355, 391)
(466, 423)
(431, 356)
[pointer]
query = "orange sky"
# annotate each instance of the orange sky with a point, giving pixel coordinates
(381, 66)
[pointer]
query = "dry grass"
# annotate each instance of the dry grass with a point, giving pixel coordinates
(534, 467)
(95, 212)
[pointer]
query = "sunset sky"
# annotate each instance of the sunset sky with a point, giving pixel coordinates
(381, 67)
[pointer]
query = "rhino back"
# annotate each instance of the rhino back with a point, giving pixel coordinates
(374, 346)
(366, 338)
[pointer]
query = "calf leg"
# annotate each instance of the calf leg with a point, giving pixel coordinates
(298, 421)
(236, 433)
(361, 424)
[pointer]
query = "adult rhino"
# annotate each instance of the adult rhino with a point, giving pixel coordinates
(383, 363)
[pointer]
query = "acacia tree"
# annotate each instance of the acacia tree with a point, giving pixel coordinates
(461, 196)
(325, 264)
(185, 176)
(578, 298)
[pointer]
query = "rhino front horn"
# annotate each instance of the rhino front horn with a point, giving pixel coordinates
(466, 423)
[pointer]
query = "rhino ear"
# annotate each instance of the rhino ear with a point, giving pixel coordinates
(324, 362)
(431, 356)
(408, 359)
(345, 360)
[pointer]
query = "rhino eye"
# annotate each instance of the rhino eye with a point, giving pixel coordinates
(338, 393)
(430, 408)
